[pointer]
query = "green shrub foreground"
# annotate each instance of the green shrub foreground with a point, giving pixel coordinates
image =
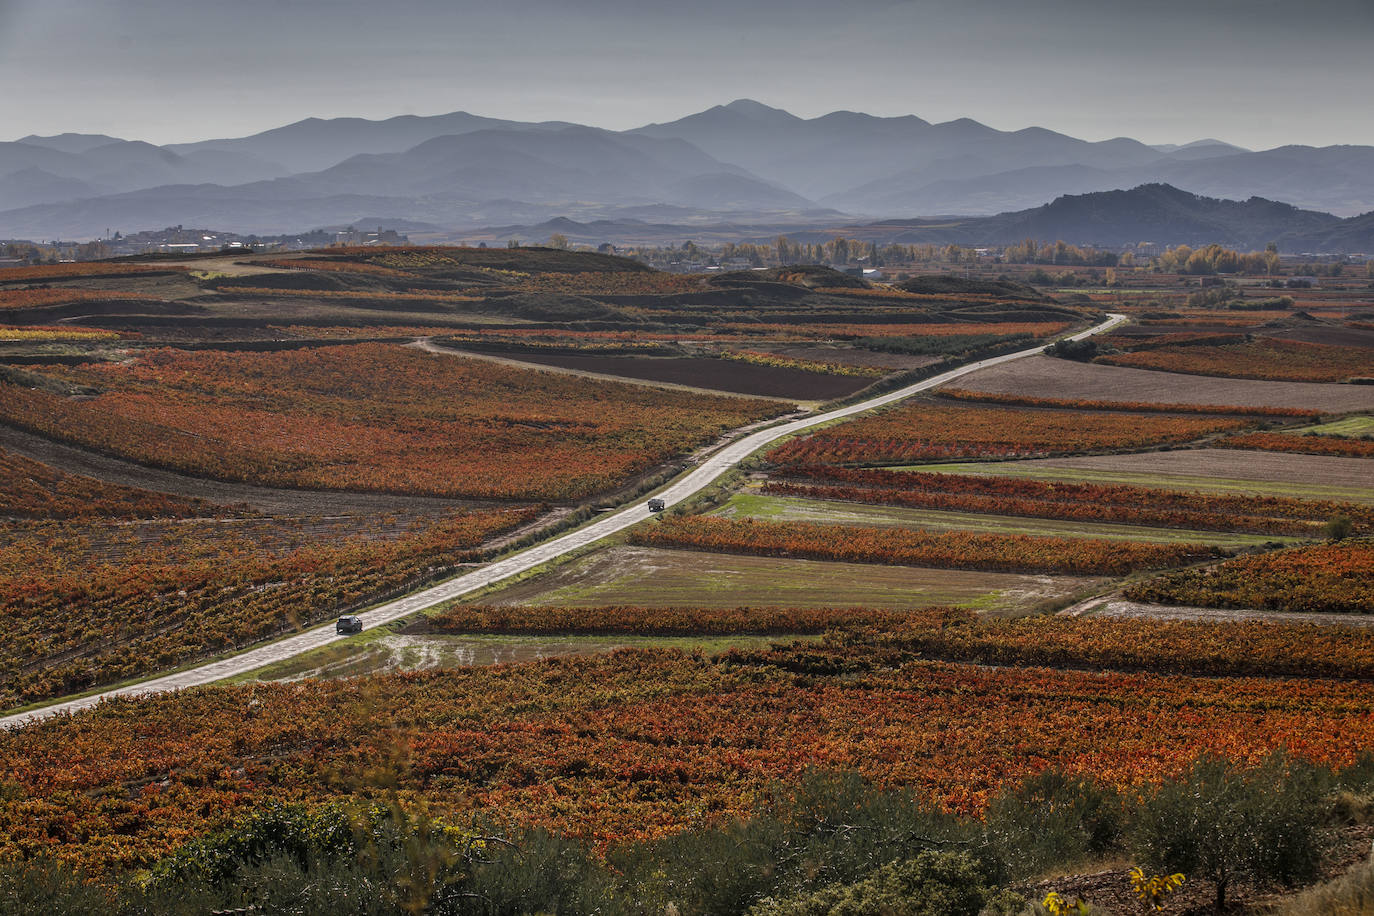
(833, 846)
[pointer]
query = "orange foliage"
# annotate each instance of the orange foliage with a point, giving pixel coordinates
(87, 603)
(923, 431)
(1335, 578)
(1279, 360)
(40, 272)
(1025, 400)
(655, 621)
(378, 417)
(1303, 445)
(632, 745)
(37, 298)
(1080, 501)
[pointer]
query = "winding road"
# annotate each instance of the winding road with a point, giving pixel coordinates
(710, 469)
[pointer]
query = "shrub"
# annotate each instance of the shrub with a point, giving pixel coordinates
(1224, 824)
(1054, 819)
(1339, 527)
(932, 884)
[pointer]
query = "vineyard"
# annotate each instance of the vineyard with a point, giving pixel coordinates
(949, 550)
(53, 334)
(32, 490)
(40, 273)
(1084, 502)
(44, 296)
(636, 744)
(1331, 578)
(1026, 400)
(1274, 360)
(88, 603)
(655, 621)
(1227, 649)
(376, 417)
(924, 431)
(1302, 444)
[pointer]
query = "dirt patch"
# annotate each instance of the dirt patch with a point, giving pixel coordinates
(1059, 378)
(713, 374)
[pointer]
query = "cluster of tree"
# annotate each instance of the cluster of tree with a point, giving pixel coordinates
(832, 845)
(1031, 251)
(36, 253)
(1214, 259)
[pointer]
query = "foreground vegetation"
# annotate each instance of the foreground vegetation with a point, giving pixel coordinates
(834, 844)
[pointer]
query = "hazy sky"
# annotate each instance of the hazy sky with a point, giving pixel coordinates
(1255, 72)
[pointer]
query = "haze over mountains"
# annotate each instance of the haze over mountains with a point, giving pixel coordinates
(742, 162)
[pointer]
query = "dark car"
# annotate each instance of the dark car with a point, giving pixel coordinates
(655, 505)
(349, 624)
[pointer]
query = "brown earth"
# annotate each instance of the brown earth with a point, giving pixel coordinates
(1045, 376)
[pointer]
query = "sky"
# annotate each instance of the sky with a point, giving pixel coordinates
(1258, 73)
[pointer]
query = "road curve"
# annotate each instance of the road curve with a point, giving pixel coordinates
(710, 468)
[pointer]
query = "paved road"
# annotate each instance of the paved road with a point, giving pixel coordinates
(694, 482)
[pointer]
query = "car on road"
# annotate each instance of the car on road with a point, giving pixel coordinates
(349, 624)
(656, 505)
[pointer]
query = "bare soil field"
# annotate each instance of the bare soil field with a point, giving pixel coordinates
(1060, 378)
(1309, 476)
(715, 374)
(679, 578)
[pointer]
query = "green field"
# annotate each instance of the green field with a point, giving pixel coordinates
(1351, 427)
(790, 509)
(680, 578)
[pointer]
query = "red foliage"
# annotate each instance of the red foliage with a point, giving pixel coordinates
(1082, 501)
(948, 550)
(377, 417)
(922, 431)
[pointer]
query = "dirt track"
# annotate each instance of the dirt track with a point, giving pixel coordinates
(706, 473)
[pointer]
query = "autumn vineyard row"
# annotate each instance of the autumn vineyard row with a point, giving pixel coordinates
(947, 550)
(1078, 501)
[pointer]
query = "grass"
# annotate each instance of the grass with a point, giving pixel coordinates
(793, 509)
(1040, 471)
(670, 578)
(384, 650)
(1350, 426)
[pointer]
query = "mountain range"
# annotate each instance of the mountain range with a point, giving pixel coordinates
(1156, 213)
(743, 163)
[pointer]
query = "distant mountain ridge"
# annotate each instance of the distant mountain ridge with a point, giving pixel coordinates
(742, 162)
(1156, 213)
